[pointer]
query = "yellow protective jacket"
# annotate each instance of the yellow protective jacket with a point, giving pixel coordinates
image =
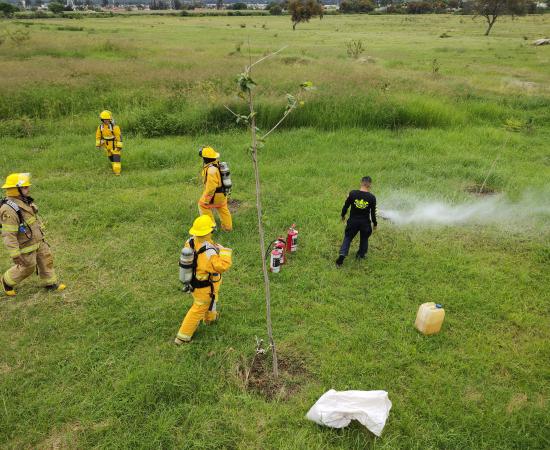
(19, 241)
(211, 263)
(109, 137)
(212, 195)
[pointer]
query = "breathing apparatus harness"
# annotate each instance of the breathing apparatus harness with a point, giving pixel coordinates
(23, 226)
(195, 283)
(111, 127)
(225, 187)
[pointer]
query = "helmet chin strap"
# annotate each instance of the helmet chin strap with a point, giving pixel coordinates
(24, 197)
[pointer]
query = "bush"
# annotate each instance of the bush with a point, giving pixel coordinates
(419, 8)
(356, 6)
(535, 7)
(355, 48)
(157, 5)
(34, 15)
(56, 7)
(395, 9)
(7, 9)
(191, 6)
(274, 8)
(440, 7)
(239, 6)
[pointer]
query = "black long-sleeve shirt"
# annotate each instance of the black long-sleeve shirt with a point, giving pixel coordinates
(363, 206)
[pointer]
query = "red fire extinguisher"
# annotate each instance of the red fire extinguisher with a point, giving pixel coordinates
(275, 260)
(280, 245)
(292, 239)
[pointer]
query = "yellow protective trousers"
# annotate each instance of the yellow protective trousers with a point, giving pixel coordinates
(203, 309)
(110, 138)
(41, 258)
(223, 212)
(115, 158)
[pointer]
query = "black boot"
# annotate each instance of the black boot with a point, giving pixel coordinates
(55, 287)
(340, 261)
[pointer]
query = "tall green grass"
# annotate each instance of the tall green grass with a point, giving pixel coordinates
(142, 114)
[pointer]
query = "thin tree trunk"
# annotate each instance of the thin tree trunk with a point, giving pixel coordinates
(262, 236)
(491, 22)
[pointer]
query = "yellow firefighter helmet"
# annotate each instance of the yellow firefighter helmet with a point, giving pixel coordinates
(15, 180)
(208, 152)
(202, 226)
(106, 115)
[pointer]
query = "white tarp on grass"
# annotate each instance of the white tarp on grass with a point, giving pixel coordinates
(337, 409)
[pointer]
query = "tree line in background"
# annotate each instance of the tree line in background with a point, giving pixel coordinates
(304, 10)
(490, 10)
(474, 7)
(182, 5)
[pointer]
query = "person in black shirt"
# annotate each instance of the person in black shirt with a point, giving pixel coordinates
(363, 210)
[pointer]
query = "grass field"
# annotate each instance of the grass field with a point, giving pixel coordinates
(95, 367)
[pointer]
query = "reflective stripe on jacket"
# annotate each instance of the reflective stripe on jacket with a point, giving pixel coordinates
(19, 241)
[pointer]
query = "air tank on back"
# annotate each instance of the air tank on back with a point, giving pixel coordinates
(186, 265)
(226, 177)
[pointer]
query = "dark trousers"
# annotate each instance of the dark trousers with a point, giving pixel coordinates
(353, 227)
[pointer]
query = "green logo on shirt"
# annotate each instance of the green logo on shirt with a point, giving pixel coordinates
(361, 204)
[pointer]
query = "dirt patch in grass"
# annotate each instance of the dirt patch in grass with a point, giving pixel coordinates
(517, 402)
(366, 59)
(235, 205)
(480, 190)
(257, 375)
(63, 438)
(5, 368)
(472, 395)
(294, 60)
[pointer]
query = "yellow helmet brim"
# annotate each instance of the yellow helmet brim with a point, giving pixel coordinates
(200, 232)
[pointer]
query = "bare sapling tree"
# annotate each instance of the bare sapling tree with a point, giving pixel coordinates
(246, 86)
(491, 10)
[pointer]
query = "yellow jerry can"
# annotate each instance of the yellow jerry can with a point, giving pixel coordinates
(429, 318)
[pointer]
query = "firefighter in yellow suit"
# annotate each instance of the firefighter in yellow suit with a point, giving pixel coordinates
(23, 237)
(211, 260)
(213, 195)
(109, 137)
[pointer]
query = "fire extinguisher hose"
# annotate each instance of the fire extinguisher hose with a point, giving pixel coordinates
(269, 248)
